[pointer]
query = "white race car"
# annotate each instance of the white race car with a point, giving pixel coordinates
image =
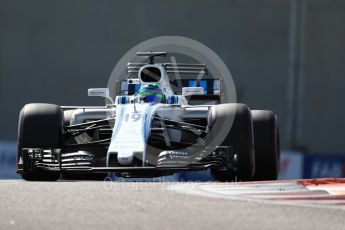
(149, 131)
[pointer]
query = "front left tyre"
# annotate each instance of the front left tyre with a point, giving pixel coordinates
(40, 126)
(239, 135)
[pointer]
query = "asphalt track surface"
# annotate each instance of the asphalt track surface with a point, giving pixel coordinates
(133, 205)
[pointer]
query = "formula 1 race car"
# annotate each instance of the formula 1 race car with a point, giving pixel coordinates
(149, 131)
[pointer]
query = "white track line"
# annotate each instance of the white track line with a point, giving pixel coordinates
(279, 192)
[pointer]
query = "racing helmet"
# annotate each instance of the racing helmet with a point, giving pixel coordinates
(152, 93)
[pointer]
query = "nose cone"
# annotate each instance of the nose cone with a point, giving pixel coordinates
(125, 158)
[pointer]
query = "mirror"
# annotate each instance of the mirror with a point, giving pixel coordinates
(100, 92)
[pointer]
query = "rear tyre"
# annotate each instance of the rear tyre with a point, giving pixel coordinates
(239, 136)
(40, 126)
(266, 138)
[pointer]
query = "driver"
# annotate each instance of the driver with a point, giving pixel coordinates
(151, 93)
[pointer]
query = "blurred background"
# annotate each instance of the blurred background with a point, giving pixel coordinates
(284, 55)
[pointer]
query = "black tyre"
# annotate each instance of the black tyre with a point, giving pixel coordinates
(239, 136)
(267, 150)
(40, 126)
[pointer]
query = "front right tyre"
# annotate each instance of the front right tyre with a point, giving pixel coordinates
(40, 126)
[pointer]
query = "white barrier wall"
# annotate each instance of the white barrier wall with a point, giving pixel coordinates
(291, 165)
(8, 160)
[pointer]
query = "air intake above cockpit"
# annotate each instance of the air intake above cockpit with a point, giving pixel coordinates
(150, 74)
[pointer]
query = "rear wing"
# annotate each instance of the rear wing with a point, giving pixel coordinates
(180, 68)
